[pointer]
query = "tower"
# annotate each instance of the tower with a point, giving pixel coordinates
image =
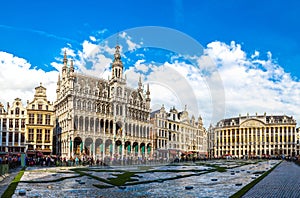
(117, 65)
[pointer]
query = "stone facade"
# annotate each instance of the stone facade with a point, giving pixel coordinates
(101, 118)
(252, 136)
(40, 123)
(13, 127)
(177, 135)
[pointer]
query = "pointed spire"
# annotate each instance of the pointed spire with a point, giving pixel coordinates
(72, 66)
(140, 83)
(148, 90)
(65, 58)
(117, 65)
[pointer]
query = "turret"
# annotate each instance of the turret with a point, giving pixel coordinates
(117, 65)
(140, 85)
(64, 68)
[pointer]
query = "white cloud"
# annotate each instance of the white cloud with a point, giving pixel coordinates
(92, 38)
(254, 85)
(19, 78)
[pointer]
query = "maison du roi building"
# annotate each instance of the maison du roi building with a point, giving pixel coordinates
(27, 129)
(101, 118)
(177, 135)
(252, 136)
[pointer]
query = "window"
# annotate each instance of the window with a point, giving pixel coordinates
(31, 118)
(33, 106)
(17, 111)
(30, 135)
(39, 135)
(16, 123)
(16, 137)
(47, 107)
(22, 112)
(23, 123)
(11, 112)
(39, 119)
(3, 137)
(40, 106)
(10, 123)
(47, 135)
(4, 123)
(48, 119)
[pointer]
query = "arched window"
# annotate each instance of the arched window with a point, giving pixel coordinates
(97, 125)
(92, 124)
(81, 123)
(86, 123)
(75, 122)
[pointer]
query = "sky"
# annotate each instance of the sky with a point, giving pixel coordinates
(218, 58)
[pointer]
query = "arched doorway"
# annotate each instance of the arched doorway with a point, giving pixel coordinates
(78, 146)
(108, 147)
(136, 148)
(127, 148)
(88, 146)
(118, 148)
(142, 149)
(99, 147)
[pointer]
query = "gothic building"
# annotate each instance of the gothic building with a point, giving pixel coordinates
(177, 135)
(101, 118)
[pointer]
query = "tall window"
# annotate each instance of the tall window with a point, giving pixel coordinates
(33, 106)
(16, 137)
(39, 135)
(39, 118)
(30, 135)
(4, 123)
(17, 111)
(47, 135)
(48, 119)
(23, 123)
(16, 123)
(31, 118)
(10, 123)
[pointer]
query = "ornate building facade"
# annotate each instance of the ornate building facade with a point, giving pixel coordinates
(12, 127)
(40, 123)
(176, 135)
(101, 118)
(253, 136)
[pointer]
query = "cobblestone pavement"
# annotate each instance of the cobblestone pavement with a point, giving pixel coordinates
(6, 179)
(283, 181)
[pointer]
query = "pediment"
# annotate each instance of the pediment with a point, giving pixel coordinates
(252, 123)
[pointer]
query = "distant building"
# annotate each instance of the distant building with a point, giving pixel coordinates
(12, 128)
(40, 124)
(177, 135)
(259, 135)
(100, 118)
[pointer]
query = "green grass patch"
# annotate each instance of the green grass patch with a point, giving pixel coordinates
(246, 188)
(13, 185)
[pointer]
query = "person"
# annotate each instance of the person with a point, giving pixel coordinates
(76, 161)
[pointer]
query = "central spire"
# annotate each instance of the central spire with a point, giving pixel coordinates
(117, 65)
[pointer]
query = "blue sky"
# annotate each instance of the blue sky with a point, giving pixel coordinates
(37, 31)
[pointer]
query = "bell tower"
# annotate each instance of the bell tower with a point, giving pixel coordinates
(117, 65)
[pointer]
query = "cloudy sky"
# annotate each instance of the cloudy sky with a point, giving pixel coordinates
(219, 58)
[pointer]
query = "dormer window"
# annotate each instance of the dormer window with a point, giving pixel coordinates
(33, 106)
(40, 107)
(17, 111)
